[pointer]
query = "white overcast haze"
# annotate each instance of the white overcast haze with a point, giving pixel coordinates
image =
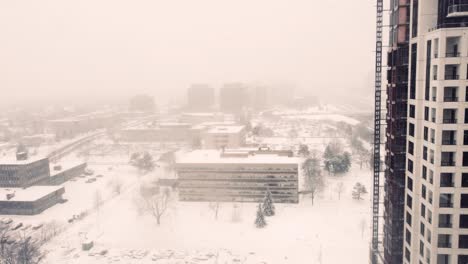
(67, 50)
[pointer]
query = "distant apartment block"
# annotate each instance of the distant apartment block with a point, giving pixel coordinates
(200, 97)
(219, 137)
(73, 126)
(233, 98)
(195, 118)
(237, 175)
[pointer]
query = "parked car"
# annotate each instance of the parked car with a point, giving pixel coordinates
(7, 221)
(17, 226)
(37, 226)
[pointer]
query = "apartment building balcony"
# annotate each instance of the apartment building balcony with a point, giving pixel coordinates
(446, 204)
(452, 72)
(458, 10)
(447, 163)
(449, 142)
(451, 77)
(452, 54)
(449, 120)
(451, 99)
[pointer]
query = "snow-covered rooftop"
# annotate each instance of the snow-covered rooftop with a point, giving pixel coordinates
(11, 159)
(233, 156)
(225, 129)
(29, 194)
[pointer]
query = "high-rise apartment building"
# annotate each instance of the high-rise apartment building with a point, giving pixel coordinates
(200, 97)
(233, 98)
(435, 228)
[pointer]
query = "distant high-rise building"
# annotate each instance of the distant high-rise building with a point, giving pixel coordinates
(200, 97)
(142, 103)
(233, 98)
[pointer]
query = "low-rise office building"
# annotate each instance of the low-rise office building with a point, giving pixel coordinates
(240, 175)
(29, 201)
(23, 173)
(218, 137)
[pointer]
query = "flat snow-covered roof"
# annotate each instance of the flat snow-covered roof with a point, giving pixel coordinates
(30, 194)
(216, 157)
(225, 129)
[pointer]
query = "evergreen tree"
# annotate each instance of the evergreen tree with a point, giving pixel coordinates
(268, 206)
(260, 221)
(358, 191)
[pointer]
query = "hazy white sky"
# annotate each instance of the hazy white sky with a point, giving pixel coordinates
(62, 48)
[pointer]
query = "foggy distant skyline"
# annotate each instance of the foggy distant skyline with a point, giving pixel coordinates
(58, 49)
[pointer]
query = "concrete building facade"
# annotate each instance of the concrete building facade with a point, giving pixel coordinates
(436, 193)
(237, 175)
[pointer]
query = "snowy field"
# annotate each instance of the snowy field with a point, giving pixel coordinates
(332, 230)
(189, 233)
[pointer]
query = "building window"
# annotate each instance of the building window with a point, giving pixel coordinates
(464, 182)
(410, 147)
(426, 113)
(407, 254)
(423, 211)
(446, 179)
(409, 201)
(465, 159)
(410, 183)
(412, 111)
(464, 201)
(462, 259)
(445, 200)
(465, 137)
(444, 241)
(411, 129)
(424, 153)
(450, 94)
(410, 165)
(408, 218)
(463, 221)
(423, 191)
(445, 220)
(447, 159)
(443, 259)
(424, 172)
(426, 133)
(463, 241)
(408, 237)
(421, 249)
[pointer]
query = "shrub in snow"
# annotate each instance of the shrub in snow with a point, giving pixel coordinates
(303, 150)
(260, 221)
(358, 191)
(268, 206)
(142, 161)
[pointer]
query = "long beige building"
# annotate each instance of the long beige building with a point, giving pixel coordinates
(237, 175)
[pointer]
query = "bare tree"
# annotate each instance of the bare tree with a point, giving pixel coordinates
(19, 248)
(97, 200)
(339, 189)
(157, 204)
(116, 186)
(362, 226)
(314, 181)
(214, 206)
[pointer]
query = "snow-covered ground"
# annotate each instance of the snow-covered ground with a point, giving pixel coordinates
(330, 231)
